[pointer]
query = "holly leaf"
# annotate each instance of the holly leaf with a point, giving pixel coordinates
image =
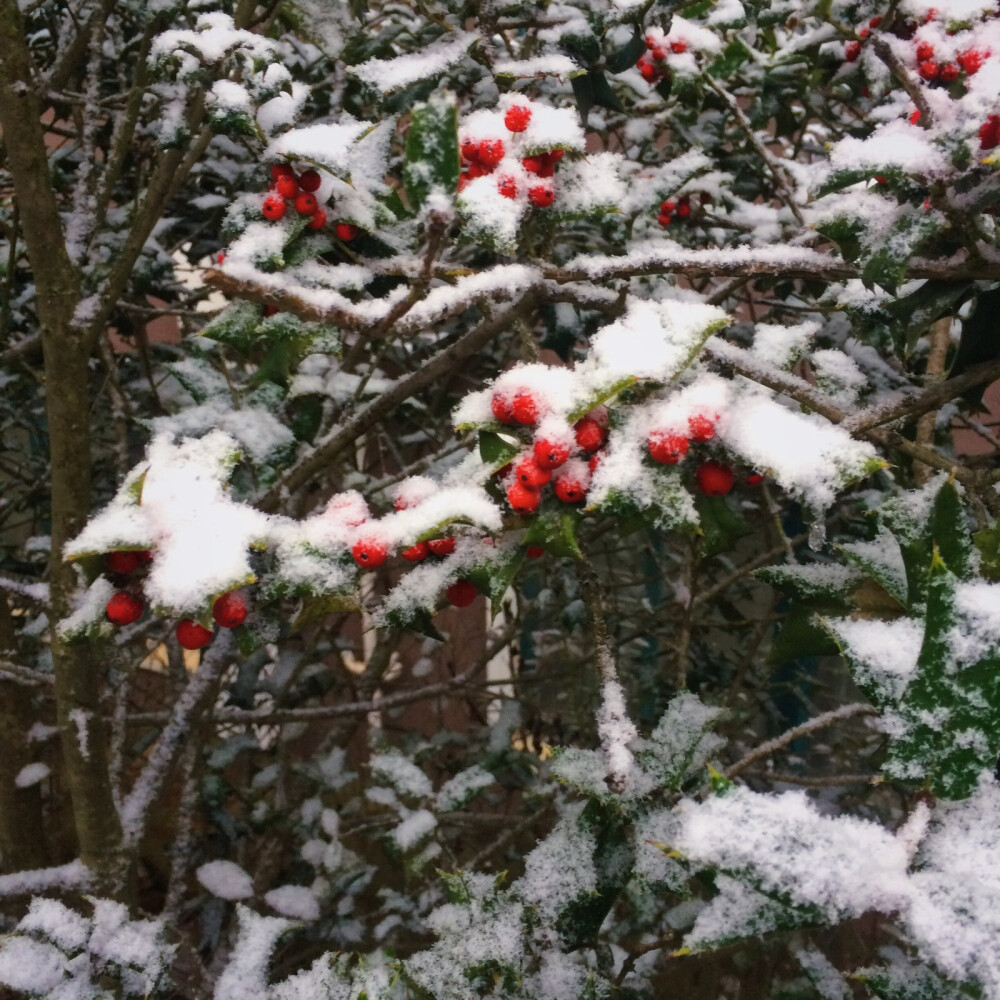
(431, 156)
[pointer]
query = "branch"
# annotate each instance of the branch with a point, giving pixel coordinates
(916, 93)
(74, 877)
(790, 735)
(343, 437)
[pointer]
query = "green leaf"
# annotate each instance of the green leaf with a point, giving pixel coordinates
(987, 542)
(583, 93)
(604, 96)
(886, 267)
(828, 582)
(497, 450)
(882, 560)
(802, 634)
(554, 528)
(729, 61)
(235, 325)
(950, 532)
(720, 524)
(627, 55)
(432, 158)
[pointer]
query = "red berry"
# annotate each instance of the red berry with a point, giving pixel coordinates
(925, 51)
(305, 203)
(310, 181)
(416, 553)
(461, 593)
(541, 196)
(570, 488)
(851, 51)
(346, 232)
(683, 209)
(754, 479)
(532, 164)
(658, 53)
(318, 220)
(230, 609)
(523, 500)
(281, 170)
(594, 461)
(875, 22)
(549, 454)
(667, 207)
(524, 409)
(651, 40)
(529, 473)
(546, 169)
(535, 552)
(648, 71)
(369, 553)
(273, 207)
(949, 72)
(124, 562)
(590, 435)
(442, 546)
(714, 478)
(863, 33)
(666, 448)
(507, 186)
(915, 116)
(971, 60)
(502, 409)
(517, 118)
(220, 257)
(701, 428)
(664, 220)
(146, 556)
(470, 150)
(191, 635)
(929, 69)
(463, 181)
(931, 15)
(989, 133)
(123, 608)
(491, 152)
(679, 46)
(476, 170)
(555, 155)
(287, 186)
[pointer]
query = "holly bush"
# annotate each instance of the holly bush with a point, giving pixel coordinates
(498, 499)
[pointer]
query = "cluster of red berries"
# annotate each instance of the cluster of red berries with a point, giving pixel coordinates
(481, 158)
(124, 607)
(853, 49)
(669, 209)
(669, 446)
(287, 188)
(656, 53)
(537, 469)
(935, 71)
(989, 133)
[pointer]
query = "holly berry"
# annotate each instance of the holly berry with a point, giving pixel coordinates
(534, 552)
(273, 207)
(461, 593)
(507, 186)
(701, 428)
(230, 609)
(529, 473)
(590, 435)
(416, 553)
(550, 454)
(191, 635)
(541, 196)
(667, 207)
(442, 546)
(714, 479)
(310, 181)
(346, 232)
(318, 220)
(989, 133)
(754, 479)
(875, 21)
(925, 51)
(523, 500)
(555, 155)
(470, 150)
(679, 46)
(851, 51)
(502, 409)
(517, 118)
(664, 220)
(279, 170)
(949, 72)
(532, 164)
(524, 409)
(123, 608)
(595, 460)
(666, 448)
(490, 152)
(305, 203)
(971, 60)
(648, 71)
(683, 208)
(915, 116)
(658, 53)
(287, 186)
(928, 69)
(124, 562)
(570, 487)
(369, 553)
